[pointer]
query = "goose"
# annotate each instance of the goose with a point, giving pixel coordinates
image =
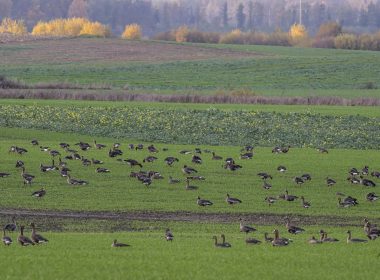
(40, 193)
(131, 146)
(293, 229)
(218, 245)
(264, 175)
(305, 204)
(224, 243)
(203, 202)
(11, 226)
(298, 180)
(365, 170)
(245, 228)
(266, 238)
(169, 235)
(99, 146)
(44, 149)
(196, 159)
(130, 162)
(150, 159)
(152, 149)
(281, 168)
(28, 178)
(367, 182)
(322, 150)
(102, 170)
(64, 145)
(330, 182)
(277, 241)
(64, 171)
(306, 177)
(285, 149)
(37, 238)
(19, 164)
(266, 185)
(54, 153)
(276, 150)
(117, 244)
(345, 203)
(6, 239)
(248, 155)
(353, 180)
(116, 145)
(371, 197)
(139, 147)
(229, 160)
(96, 161)
(19, 150)
(83, 146)
(3, 174)
(74, 156)
(72, 181)
(85, 161)
(189, 187)
(353, 172)
(313, 240)
(198, 150)
(188, 170)
(354, 240)
(22, 239)
(324, 237)
(232, 200)
(216, 157)
(173, 180)
(198, 178)
(232, 166)
(252, 241)
(170, 160)
(34, 142)
(375, 174)
(61, 163)
(289, 197)
(46, 168)
(270, 200)
(165, 149)
(371, 232)
(114, 153)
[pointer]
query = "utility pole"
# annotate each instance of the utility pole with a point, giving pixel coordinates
(300, 12)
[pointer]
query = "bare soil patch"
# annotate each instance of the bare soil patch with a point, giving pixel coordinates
(93, 50)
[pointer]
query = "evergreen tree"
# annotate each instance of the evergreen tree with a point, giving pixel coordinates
(240, 17)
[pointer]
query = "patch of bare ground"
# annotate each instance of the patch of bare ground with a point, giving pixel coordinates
(121, 221)
(92, 50)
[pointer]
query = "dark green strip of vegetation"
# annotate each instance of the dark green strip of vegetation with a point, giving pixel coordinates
(193, 126)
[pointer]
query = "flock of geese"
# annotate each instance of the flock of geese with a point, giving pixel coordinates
(22, 239)
(355, 176)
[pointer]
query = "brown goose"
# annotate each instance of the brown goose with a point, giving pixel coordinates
(354, 240)
(99, 146)
(232, 200)
(293, 229)
(252, 241)
(6, 239)
(72, 181)
(322, 150)
(218, 245)
(28, 178)
(169, 235)
(371, 232)
(102, 170)
(245, 228)
(298, 180)
(203, 202)
(330, 182)
(371, 197)
(305, 204)
(216, 157)
(326, 239)
(170, 160)
(3, 174)
(96, 161)
(37, 238)
(196, 159)
(117, 244)
(270, 200)
(277, 241)
(266, 238)
(266, 185)
(289, 197)
(23, 240)
(188, 170)
(264, 175)
(11, 226)
(40, 193)
(173, 180)
(19, 164)
(189, 187)
(313, 240)
(281, 169)
(150, 159)
(224, 243)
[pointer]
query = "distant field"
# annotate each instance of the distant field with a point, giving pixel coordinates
(201, 69)
(191, 255)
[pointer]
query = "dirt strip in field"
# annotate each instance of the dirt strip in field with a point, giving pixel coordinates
(181, 216)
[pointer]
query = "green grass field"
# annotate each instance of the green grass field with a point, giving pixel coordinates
(278, 71)
(190, 256)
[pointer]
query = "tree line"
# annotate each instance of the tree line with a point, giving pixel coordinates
(206, 15)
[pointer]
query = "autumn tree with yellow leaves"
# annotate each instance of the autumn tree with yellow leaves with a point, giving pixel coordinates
(16, 27)
(132, 32)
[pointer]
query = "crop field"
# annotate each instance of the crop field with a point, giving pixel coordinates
(200, 69)
(131, 193)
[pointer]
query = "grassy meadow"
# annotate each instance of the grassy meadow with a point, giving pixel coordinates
(199, 69)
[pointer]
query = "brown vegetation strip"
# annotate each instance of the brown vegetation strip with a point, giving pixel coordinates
(182, 216)
(185, 98)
